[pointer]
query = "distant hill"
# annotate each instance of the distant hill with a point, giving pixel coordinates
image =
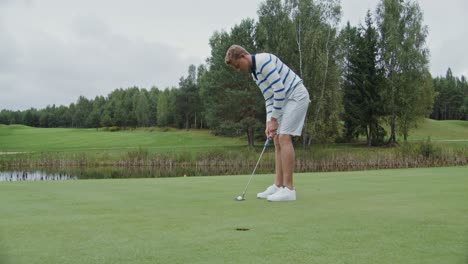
(440, 130)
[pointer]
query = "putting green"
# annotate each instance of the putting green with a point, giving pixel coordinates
(386, 216)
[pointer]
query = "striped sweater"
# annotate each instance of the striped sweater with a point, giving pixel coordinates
(276, 81)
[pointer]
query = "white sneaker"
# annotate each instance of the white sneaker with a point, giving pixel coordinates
(269, 191)
(285, 194)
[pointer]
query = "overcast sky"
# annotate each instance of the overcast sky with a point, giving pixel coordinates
(53, 51)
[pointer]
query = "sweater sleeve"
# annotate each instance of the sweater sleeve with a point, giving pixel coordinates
(269, 109)
(276, 102)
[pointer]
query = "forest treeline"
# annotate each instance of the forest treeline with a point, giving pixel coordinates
(367, 80)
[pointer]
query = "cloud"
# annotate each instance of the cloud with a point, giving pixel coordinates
(13, 2)
(447, 35)
(92, 60)
(8, 50)
(51, 52)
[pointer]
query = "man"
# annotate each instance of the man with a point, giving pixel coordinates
(286, 102)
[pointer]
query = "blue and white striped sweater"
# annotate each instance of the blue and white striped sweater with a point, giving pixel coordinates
(276, 81)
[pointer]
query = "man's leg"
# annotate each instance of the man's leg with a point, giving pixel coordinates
(287, 158)
(279, 173)
(278, 163)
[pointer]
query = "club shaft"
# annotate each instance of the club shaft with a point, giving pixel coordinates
(251, 176)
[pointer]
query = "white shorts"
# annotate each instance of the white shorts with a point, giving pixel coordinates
(295, 108)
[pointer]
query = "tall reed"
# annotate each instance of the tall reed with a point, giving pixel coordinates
(242, 161)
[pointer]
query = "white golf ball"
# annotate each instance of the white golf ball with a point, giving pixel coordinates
(239, 198)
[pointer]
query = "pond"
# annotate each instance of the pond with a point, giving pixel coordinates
(119, 172)
(34, 176)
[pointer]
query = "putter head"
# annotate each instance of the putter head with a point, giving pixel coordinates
(239, 198)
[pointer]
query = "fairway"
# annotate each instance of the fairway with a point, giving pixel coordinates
(455, 130)
(17, 138)
(386, 216)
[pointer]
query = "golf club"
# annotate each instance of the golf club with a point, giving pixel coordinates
(241, 197)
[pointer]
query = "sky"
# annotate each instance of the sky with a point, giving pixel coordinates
(53, 51)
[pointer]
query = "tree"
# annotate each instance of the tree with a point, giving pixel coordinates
(166, 107)
(142, 109)
(153, 105)
(53, 119)
(275, 31)
(404, 59)
(324, 74)
(362, 83)
(31, 118)
(451, 97)
(44, 119)
(232, 102)
(188, 99)
(64, 115)
(82, 110)
(116, 108)
(303, 33)
(199, 115)
(94, 118)
(130, 101)
(106, 120)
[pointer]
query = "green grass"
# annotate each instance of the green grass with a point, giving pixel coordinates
(447, 131)
(17, 138)
(387, 216)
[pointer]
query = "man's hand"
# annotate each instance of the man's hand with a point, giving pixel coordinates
(271, 128)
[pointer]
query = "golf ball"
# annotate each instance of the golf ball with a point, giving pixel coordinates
(239, 198)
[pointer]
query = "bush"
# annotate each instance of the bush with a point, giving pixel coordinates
(429, 150)
(139, 154)
(408, 150)
(378, 138)
(229, 129)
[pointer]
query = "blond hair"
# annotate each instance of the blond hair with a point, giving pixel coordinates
(234, 52)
